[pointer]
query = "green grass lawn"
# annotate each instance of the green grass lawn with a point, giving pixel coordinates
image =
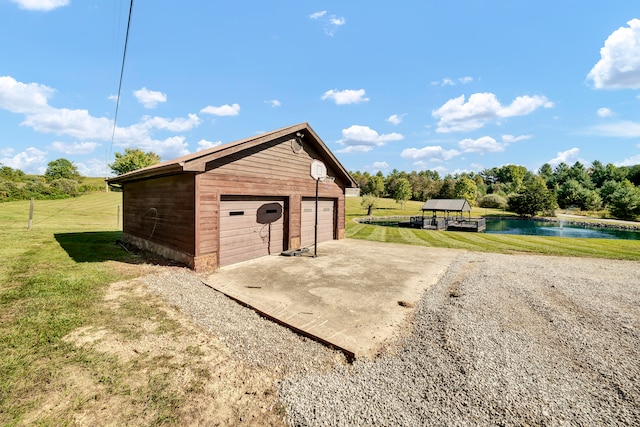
(53, 279)
(499, 243)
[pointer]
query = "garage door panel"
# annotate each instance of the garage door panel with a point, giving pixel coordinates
(250, 229)
(326, 221)
(242, 237)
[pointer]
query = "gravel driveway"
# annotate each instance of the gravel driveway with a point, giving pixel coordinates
(500, 340)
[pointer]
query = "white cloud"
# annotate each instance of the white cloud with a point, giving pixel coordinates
(420, 164)
(149, 98)
(605, 112)
(30, 160)
(331, 23)
(622, 129)
(447, 81)
(523, 105)
(619, 64)
(76, 123)
(74, 147)
(274, 103)
(223, 110)
(41, 5)
(318, 15)
(362, 139)
(631, 161)
(355, 149)
(433, 153)
(174, 125)
(569, 157)
(93, 167)
(348, 96)
(394, 119)
(337, 21)
(482, 145)
(456, 115)
(167, 148)
(19, 97)
(510, 138)
(380, 166)
(32, 100)
(203, 144)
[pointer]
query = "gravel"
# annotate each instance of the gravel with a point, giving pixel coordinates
(500, 340)
(251, 338)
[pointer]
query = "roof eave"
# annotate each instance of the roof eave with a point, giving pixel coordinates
(168, 169)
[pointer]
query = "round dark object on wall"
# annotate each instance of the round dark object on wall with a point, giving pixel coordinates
(268, 213)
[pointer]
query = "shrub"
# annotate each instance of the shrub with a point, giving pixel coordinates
(10, 191)
(493, 201)
(66, 186)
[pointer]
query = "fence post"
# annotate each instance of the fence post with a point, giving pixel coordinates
(31, 214)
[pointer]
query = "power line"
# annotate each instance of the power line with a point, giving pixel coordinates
(124, 56)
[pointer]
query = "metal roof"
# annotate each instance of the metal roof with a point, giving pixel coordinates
(196, 162)
(460, 205)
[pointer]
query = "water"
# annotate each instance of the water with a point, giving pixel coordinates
(560, 229)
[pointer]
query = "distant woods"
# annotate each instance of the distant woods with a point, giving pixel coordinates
(606, 190)
(602, 190)
(62, 178)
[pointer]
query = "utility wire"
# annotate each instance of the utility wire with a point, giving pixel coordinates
(124, 56)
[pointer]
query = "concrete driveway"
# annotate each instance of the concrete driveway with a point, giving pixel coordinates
(355, 295)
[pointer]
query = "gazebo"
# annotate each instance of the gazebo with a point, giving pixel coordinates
(447, 222)
(446, 206)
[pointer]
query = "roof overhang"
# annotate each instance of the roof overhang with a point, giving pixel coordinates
(199, 161)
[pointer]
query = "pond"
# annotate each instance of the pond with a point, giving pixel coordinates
(560, 229)
(533, 228)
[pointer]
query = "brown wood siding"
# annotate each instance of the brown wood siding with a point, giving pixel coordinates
(161, 210)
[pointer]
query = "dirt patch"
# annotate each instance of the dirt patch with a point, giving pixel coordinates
(155, 368)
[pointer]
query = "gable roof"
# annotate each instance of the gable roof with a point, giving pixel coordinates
(196, 162)
(460, 205)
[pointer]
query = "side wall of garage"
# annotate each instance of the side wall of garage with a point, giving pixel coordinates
(159, 214)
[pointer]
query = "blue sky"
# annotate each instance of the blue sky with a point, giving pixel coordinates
(447, 86)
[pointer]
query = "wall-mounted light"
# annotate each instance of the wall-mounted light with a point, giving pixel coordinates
(296, 143)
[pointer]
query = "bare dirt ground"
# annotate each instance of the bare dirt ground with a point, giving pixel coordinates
(174, 372)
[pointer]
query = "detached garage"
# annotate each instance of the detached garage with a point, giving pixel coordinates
(238, 201)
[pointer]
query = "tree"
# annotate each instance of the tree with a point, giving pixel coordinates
(466, 188)
(362, 179)
(625, 201)
(375, 186)
(402, 191)
(369, 202)
(512, 176)
(534, 198)
(61, 168)
(446, 189)
(546, 172)
(10, 174)
(133, 159)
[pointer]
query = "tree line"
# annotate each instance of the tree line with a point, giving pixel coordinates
(607, 189)
(62, 178)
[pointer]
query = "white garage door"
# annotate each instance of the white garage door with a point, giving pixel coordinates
(326, 220)
(250, 229)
